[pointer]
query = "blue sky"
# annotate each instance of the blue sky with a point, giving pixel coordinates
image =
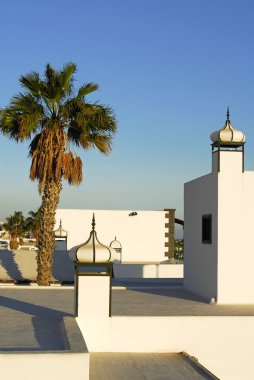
(169, 68)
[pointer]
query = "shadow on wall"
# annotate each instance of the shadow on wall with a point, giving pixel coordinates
(128, 271)
(9, 265)
(21, 266)
(63, 267)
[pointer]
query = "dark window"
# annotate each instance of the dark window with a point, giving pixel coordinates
(207, 229)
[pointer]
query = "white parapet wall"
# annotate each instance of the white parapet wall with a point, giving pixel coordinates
(142, 236)
(151, 270)
(71, 360)
(224, 345)
(43, 366)
(21, 265)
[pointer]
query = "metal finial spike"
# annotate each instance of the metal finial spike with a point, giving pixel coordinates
(228, 115)
(93, 222)
(60, 223)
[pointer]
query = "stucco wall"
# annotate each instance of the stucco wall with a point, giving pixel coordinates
(224, 344)
(236, 228)
(21, 265)
(41, 366)
(142, 236)
(223, 269)
(200, 260)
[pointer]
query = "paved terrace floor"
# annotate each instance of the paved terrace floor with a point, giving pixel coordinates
(167, 298)
(31, 321)
(30, 317)
(129, 366)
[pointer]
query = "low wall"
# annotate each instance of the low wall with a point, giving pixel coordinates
(41, 366)
(29, 364)
(21, 265)
(148, 270)
(224, 345)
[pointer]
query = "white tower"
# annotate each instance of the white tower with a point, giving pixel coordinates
(219, 224)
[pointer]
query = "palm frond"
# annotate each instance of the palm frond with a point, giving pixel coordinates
(47, 152)
(66, 78)
(31, 82)
(50, 86)
(21, 118)
(50, 75)
(86, 89)
(76, 173)
(102, 142)
(67, 165)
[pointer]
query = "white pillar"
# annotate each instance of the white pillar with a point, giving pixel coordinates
(93, 293)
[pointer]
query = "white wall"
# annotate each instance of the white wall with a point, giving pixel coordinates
(43, 366)
(142, 236)
(94, 296)
(223, 269)
(235, 231)
(21, 265)
(200, 260)
(224, 345)
(148, 270)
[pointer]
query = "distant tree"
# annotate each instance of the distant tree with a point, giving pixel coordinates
(179, 249)
(32, 223)
(16, 228)
(56, 118)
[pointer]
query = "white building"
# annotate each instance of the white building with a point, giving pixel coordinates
(219, 225)
(145, 236)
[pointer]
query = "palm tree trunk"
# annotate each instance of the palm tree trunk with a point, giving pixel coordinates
(46, 240)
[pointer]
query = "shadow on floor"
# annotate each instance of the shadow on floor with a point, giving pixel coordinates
(173, 293)
(172, 287)
(37, 328)
(31, 309)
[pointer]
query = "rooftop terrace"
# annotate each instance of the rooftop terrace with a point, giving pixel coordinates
(31, 320)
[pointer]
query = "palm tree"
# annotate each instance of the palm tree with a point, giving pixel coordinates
(15, 226)
(56, 118)
(32, 223)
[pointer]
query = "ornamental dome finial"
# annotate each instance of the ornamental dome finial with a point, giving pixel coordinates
(228, 135)
(228, 114)
(60, 232)
(92, 251)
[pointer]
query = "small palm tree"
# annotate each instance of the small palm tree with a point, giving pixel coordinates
(55, 118)
(32, 223)
(15, 226)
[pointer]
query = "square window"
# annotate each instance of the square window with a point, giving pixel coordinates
(207, 229)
